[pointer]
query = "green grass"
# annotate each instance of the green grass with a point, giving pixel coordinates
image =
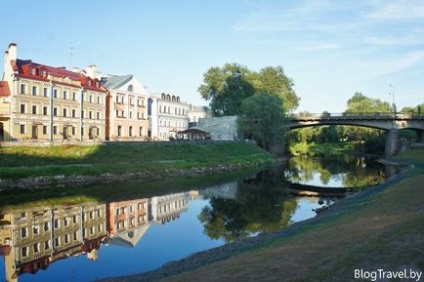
(118, 158)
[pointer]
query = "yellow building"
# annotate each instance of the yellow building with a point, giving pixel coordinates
(50, 104)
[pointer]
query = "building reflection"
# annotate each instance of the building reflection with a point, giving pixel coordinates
(33, 238)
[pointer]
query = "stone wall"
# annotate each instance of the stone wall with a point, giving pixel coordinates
(220, 128)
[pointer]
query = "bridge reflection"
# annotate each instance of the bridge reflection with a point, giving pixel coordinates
(319, 191)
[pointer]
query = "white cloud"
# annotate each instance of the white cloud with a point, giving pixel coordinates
(397, 10)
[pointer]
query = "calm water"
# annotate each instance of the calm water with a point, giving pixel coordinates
(93, 240)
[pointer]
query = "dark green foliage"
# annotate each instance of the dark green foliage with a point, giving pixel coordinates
(261, 119)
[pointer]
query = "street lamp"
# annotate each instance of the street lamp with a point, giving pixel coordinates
(392, 93)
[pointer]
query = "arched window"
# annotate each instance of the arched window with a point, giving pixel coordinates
(130, 88)
(168, 97)
(163, 96)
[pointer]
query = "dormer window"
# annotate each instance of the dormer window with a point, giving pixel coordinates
(130, 88)
(89, 82)
(32, 70)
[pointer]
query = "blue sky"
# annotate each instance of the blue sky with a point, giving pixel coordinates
(330, 48)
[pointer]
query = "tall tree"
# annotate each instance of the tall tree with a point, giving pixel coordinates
(227, 87)
(261, 119)
(273, 80)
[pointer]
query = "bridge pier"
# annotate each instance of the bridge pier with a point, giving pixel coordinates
(392, 142)
(420, 136)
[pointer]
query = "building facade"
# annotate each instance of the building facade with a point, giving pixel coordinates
(167, 115)
(126, 108)
(49, 103)
(195, 113)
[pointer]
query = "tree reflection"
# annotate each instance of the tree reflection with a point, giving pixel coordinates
(262, 204)
(349, 171)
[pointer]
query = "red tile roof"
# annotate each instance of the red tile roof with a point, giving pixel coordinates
(4, 89)
(31, 70)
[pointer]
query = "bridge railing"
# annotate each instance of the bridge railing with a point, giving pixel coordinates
(364, 115)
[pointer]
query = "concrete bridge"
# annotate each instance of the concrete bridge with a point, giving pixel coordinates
(390, 122)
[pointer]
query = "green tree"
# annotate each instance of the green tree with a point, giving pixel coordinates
(273, 80)
(261, 119)
(228, 86)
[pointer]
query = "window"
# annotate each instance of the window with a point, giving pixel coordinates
(130, 114)
(65, 95)
(46, 245)
(90, 114)
(24, 252)
(45, 110)
(34, 110)
(98, 115)
(55, 93)
(45, 129)
(34, 90)
(74, 96)
(22, 128)
(91, 99)
(46, 224)
(36, 247)
(73, 130)
(55, 130)
(23, 89)
(74, 113)
(24, 232)
(140, 131)
(56, 223)
(130, 88)
(22, 109)
(65, 112)
(55, 111)
(98, 100)
(35, 229)
(119, 130)
(130, 131)
(45, 91)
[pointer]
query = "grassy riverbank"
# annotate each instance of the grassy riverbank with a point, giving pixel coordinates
(381, 228)
(58, 164)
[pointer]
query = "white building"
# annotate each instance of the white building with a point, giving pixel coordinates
(197, 112)
(167, 115)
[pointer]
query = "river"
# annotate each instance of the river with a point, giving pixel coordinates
(122, 235)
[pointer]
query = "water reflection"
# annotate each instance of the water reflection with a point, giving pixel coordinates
(260, 204)
(36, 237)
(33, 238)
(341, 171)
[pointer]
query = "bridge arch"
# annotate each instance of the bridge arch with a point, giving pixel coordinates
(391, 123)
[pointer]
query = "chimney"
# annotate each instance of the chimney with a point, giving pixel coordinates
(92, 72)
(12, 52)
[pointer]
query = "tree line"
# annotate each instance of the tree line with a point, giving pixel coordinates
(263, 99)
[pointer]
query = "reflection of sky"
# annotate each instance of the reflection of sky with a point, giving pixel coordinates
(334, 181)
(305, 208)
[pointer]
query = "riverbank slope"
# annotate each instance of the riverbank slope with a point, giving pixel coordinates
(74, 165)
(380, 228)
